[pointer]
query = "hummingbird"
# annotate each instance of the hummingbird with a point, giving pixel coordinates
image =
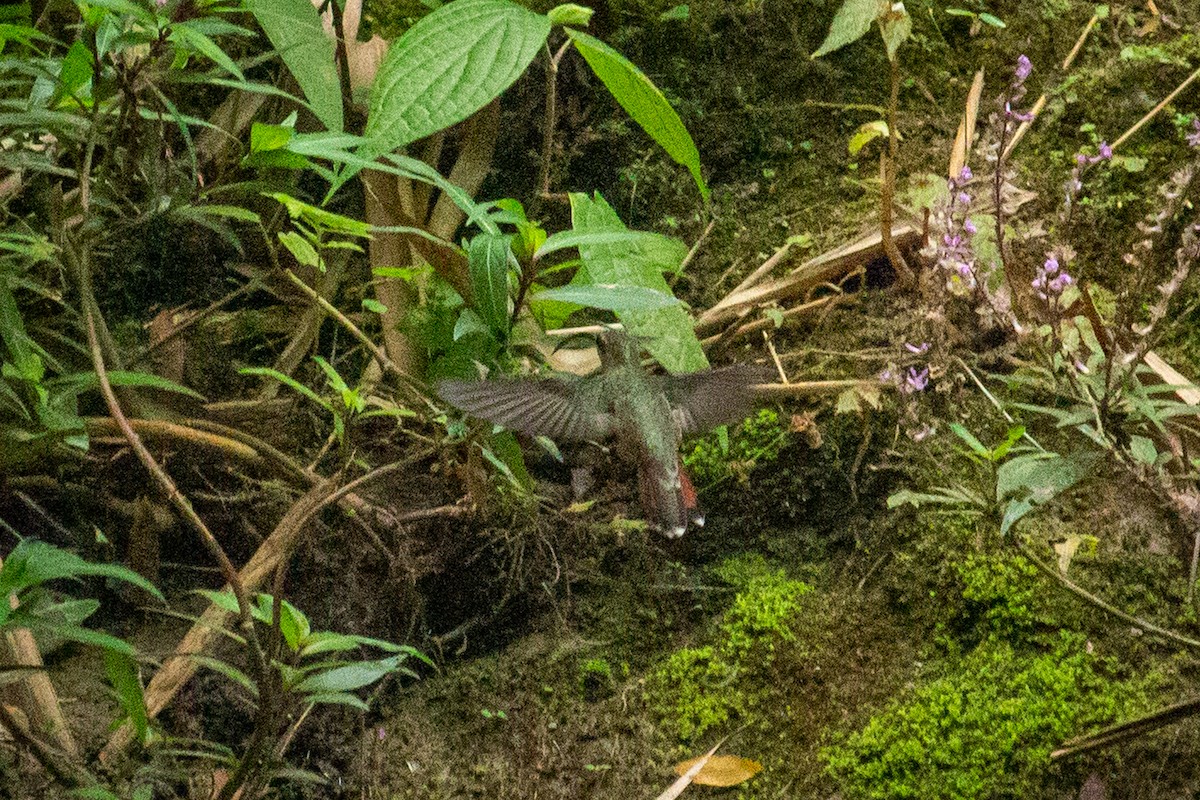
(647, 415)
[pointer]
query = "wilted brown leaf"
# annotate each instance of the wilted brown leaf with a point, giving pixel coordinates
(721, 770)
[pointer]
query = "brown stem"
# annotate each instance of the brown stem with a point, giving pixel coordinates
(549, 123)
(1084, 594)
(160, 477)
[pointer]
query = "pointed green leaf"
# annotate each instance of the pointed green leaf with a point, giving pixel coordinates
(347, 678)
(185, 34)
(488, 257)
(642, 100)
(123, 675)
(448, 66)
(668, 331)
(611, 297)
(851, 21)
(295, 30)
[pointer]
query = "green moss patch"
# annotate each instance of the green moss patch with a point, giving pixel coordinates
(984, 729)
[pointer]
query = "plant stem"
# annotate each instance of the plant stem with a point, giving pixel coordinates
(1084, 594)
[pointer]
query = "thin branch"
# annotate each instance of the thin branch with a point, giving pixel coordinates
(1084, 594)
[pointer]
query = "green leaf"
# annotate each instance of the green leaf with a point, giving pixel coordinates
(566, 239)
(570, 14)
(1143, 450)
(991, 19)
(123, 675)
(338, 698)
(448, 66)
(228, 670)
(669, 333)
(265, 138)
(320, 218)
(347, 678)
(505, 455)
(642, 100)
(968, 437)
(326, 642)
(300, 248)
(611, 297)
(851, 21)
(185, 34)
(295, 30)
(223, 600)
(469, 322)
(84, 636)
(294, 625)
(865, 133)
(88, 381)
(75, 75)
(32, 563)
(488, 258)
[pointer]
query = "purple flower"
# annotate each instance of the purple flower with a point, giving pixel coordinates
(1105, 151)
(916, 381)
(916, 348)
(1193, 138)
(1051, 280)
(969, 227)
(885, 376)
(966, 173)
(1024, 68)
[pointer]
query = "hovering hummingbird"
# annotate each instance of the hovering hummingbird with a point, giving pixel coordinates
(648, 416)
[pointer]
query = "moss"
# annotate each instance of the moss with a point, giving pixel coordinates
(595, 679)
(1000, 594)
(756, 441)
(986, 728)
(697, 688)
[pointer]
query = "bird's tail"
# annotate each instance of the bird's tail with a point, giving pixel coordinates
(668, 497)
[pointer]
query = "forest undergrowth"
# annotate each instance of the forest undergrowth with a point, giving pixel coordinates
(250, 550)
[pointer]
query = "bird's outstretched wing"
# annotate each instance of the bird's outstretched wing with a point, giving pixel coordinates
(712, 397)
(560, 409)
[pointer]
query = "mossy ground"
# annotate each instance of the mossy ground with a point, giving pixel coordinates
(855, 652)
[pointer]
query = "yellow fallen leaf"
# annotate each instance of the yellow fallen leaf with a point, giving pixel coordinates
(721, 770)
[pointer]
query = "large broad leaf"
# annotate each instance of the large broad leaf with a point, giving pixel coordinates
(487, 261)
(1028, 481)
(850, 22)
(642, 100)
(668, 331)
(295, 30)
(610, 297)
(448, 66)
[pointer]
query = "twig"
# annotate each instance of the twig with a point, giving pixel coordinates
(159, 475)
(783, 378)
(691, 254)
(65, 770)
(763, 269)
(376, 352)
(1041, 101)
(772, 391)
(1128, 730)
(1084, 594)
(1154, 111)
